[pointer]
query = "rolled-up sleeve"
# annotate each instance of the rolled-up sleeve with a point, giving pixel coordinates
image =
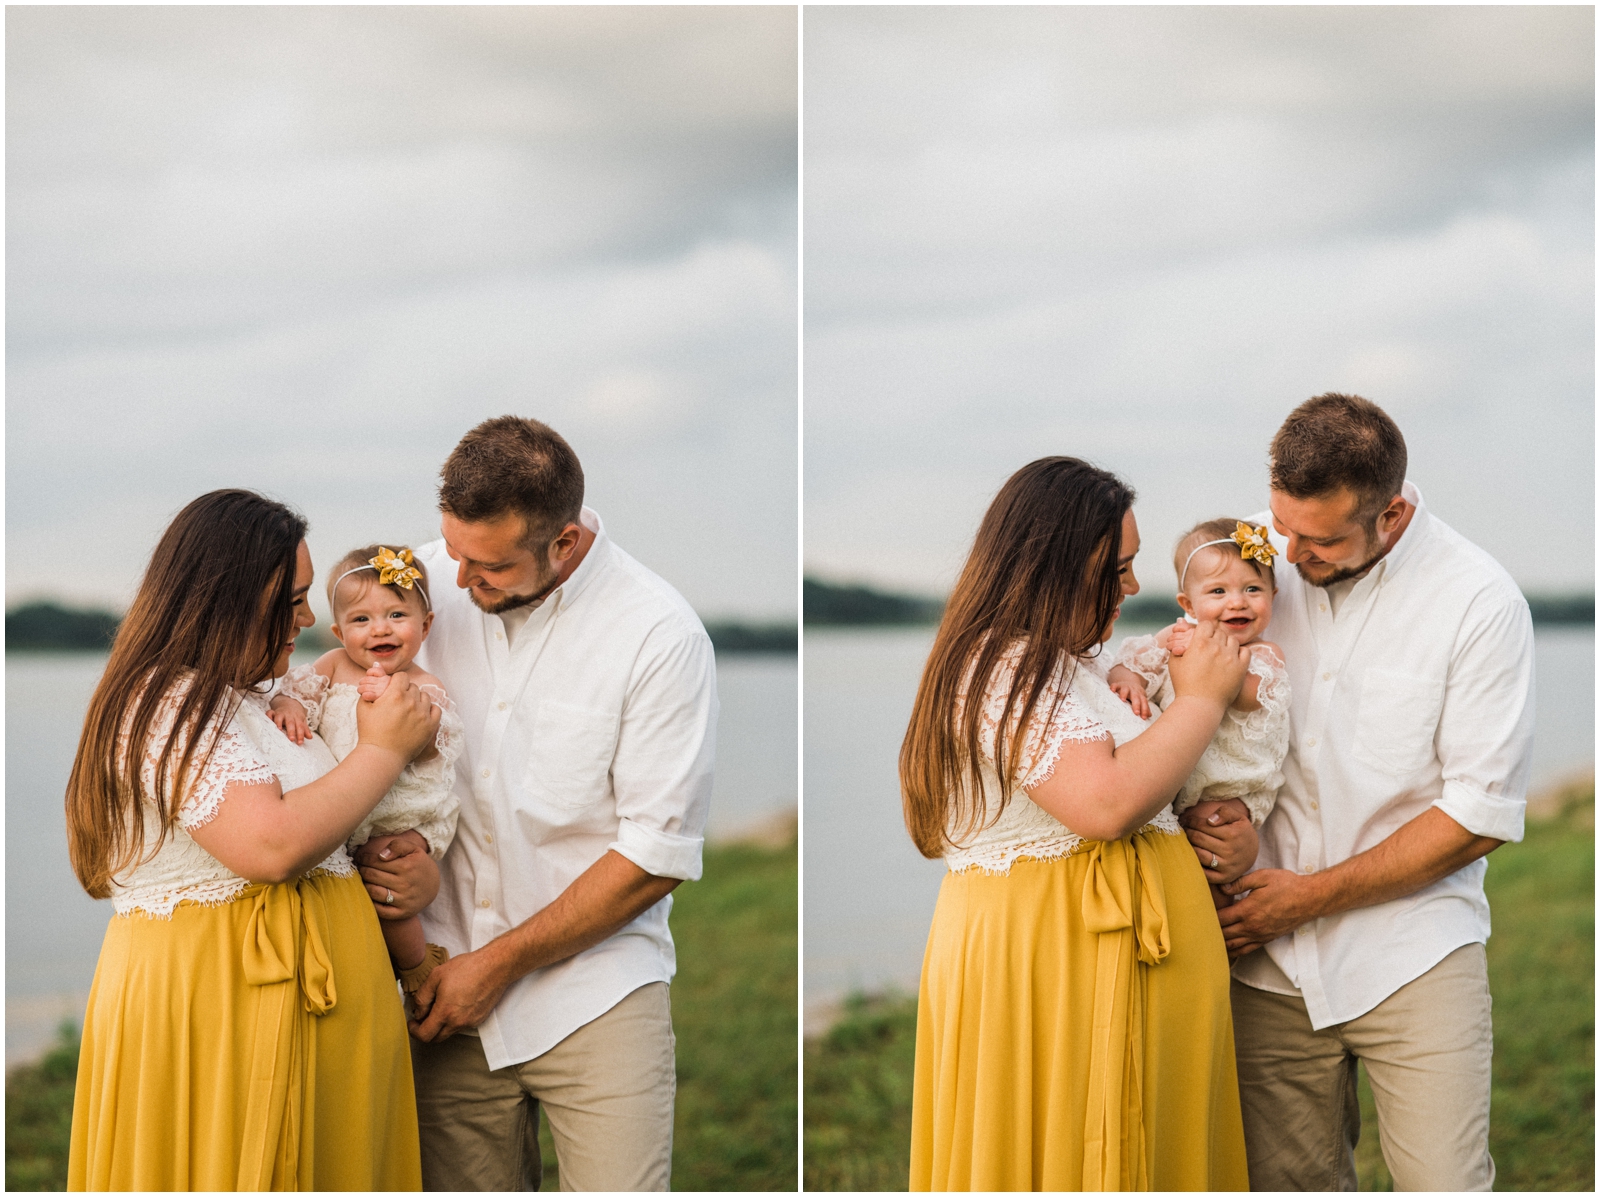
(661, 773)
(1485, 736)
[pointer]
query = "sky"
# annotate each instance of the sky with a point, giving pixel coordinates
(1142, 235)
(304, 249)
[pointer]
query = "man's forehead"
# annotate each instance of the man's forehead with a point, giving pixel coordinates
(1329, 513)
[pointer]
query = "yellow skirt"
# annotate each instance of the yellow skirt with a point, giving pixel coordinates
(259, 1044)
(1074, 1031)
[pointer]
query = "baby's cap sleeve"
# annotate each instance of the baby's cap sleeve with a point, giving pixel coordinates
(307, 687)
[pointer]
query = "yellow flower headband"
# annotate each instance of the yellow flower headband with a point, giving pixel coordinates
(1252, 542)
(394, 569)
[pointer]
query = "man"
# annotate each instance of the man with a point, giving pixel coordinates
(1410, 654)
(588, 690)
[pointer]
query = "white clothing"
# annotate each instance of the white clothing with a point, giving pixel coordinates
(1245, 758)
(593, 732)
(1087, 711)
(249, 749)
(1418, 693)
(423, 797)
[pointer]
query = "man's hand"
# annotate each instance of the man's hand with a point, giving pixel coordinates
(1222, 831)
(601, 900)
(460, 993)
(1431, 846)
(1276, 903)
(398, 865)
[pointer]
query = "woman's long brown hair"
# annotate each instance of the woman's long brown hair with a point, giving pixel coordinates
(1042, 572)
(215, 605)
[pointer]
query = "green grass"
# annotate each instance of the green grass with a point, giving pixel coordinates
(1541, 973)
(733, 1009)
(39, 1116)
(858, 1098)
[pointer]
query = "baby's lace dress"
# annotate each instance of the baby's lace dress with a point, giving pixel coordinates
(249, 749)
(1245, 758)
(423, 797)
(1088, 711)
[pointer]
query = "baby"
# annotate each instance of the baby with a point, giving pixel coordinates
(1224, 572)
(381, 615)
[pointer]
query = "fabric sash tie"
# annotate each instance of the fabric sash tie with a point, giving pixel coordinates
(1124, 905)
(286, 955)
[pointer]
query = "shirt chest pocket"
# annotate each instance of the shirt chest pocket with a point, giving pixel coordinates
(1396, 720)
(569, 754)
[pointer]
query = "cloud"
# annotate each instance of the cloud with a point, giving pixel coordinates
(306, 249)
(1141, 235)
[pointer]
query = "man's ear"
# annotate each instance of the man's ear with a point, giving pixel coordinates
(564, 545)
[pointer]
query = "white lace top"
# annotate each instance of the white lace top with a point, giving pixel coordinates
(423, 797)
(1245, 758)
(249, 749)
(1088, 711)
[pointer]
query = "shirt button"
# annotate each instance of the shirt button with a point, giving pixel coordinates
(1325, 677)
(1320, 607)
(1303, 869)
(485, 902)
(502, 635)
(486, 773)
(489, 839)
(502, 706)
(1311, 742)
(1314, 805)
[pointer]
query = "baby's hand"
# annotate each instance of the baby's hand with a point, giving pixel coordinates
(1178, 637)
(1129, 686)
(373, 684)
(290, 717)
(1215, 813)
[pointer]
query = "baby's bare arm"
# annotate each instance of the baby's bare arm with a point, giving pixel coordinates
(1247, 700)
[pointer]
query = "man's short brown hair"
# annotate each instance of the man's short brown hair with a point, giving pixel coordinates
(1335, 441)
(514, 465)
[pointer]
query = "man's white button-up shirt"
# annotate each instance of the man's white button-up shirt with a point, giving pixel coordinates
(592, 730)
(1417, 693)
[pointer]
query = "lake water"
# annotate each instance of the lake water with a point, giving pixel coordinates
(869, 896)
(53, 929)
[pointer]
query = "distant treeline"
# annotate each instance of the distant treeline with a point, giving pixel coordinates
(829, 604)
(51, 627)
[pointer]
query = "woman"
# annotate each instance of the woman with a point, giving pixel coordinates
(243, 1029)
(1073, 1028)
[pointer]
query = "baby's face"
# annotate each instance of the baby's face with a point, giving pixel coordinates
(378, 627)
(1230, 590)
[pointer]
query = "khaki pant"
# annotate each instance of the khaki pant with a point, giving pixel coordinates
(1427, 1049)
(607, 1090)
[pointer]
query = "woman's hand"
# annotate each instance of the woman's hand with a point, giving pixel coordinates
(401, 877)
(1222, 832)
(402, 719)
(1212, 666)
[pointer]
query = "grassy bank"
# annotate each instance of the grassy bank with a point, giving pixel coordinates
(1541, 973)
(733, 1008)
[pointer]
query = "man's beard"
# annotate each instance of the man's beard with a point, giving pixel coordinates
(513, 601)
(1374, 546)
